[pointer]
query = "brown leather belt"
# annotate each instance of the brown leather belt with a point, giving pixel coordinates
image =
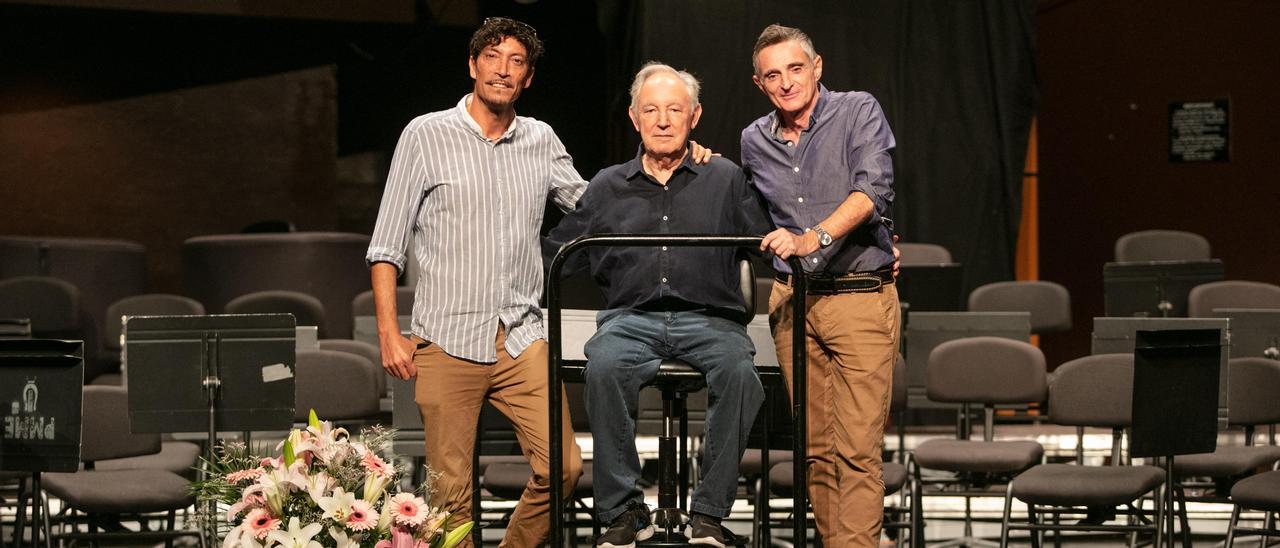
(854, 282)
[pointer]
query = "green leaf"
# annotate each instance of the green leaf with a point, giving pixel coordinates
(313, 420)
(289, 457)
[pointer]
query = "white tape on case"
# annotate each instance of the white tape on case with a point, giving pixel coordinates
(276, 372)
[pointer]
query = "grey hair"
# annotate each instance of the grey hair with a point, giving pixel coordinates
(776, 34)
(651, 68)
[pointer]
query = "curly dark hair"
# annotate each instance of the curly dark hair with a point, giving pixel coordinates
(494, 29)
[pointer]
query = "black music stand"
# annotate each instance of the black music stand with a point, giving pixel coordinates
(231, 372)
(1156, 289)
(41, 386)
(1175, 399)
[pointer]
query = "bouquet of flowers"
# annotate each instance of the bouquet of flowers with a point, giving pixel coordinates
(323, 490)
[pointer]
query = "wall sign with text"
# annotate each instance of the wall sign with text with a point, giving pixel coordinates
(1200, 131)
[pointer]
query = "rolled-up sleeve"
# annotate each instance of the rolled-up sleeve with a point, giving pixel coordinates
(872, 158)
(401, 199)
(567, 185)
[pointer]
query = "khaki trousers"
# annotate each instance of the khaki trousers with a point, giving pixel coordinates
(852, 342)
(450, 393)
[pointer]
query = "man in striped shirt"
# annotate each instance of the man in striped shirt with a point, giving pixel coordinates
(467, 188)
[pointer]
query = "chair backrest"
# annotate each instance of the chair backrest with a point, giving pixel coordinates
(306, 309)
(898, 399)
(1161, 245)
(923, 254)
(364, 350)
(1231, 294)
(104, 270)
(1093, 391)
(338, 385)
(363, 304)
(52, 305)
(987, 370)
(1049, 303)
(104, 428)
(1253, 391)
(151, 304)
(326, 265)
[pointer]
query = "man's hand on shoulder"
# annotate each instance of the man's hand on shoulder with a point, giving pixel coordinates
(701, 155)
(784, 243)
(397, 355)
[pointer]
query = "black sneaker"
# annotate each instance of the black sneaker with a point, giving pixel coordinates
(704, 529)
(630, 526)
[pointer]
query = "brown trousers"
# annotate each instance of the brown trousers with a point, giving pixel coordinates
(852, 344)
(450, 393)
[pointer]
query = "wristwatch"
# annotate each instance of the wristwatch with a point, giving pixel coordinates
(824, 238)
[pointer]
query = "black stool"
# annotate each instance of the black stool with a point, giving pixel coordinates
(675, 380)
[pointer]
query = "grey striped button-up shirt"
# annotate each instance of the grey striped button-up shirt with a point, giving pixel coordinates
(473, 207)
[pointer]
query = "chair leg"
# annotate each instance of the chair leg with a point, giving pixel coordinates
(917, 506)
(1004, 518)
(172, 521)
(1057, 533)
(1037, 535)
(1158, 502)
(1183, 520)
(43, 501)
(1231, 526)
(19, 517)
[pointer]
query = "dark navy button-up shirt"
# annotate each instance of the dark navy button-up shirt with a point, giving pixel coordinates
(845, 149)
(714, 198)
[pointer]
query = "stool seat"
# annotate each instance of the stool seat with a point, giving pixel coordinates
(678, 376)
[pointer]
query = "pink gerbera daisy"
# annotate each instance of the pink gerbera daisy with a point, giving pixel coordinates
(408, 509)
(241, 475)
(261, 523)
(362, 517)
(374, 464)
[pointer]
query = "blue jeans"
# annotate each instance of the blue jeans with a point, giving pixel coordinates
(623, 355)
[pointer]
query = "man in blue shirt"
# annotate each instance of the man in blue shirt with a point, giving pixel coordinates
(822, 161)
(679, 303)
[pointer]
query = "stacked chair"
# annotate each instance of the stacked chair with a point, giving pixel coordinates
(1094, 391)
(1254, 400)
(1161, 245)
(985, 371)
(1204, 298)
(99, 497)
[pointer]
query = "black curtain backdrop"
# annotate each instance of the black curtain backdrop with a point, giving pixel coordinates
(956, 79)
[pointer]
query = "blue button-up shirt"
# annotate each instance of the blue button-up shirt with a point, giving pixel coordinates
(846, 149)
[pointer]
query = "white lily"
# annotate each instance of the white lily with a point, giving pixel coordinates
(297, 536)
(240, 537)
(338, 506)
(384, 520)
(342, 540)
(319, 485)
(279, 482)
(374, 486)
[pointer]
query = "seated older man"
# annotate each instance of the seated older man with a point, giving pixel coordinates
(678, 303)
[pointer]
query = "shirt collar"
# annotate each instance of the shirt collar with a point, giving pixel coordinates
(635, 167)
(775, 120)
(471, 124)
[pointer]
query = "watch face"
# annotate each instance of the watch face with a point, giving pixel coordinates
(824, 239)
